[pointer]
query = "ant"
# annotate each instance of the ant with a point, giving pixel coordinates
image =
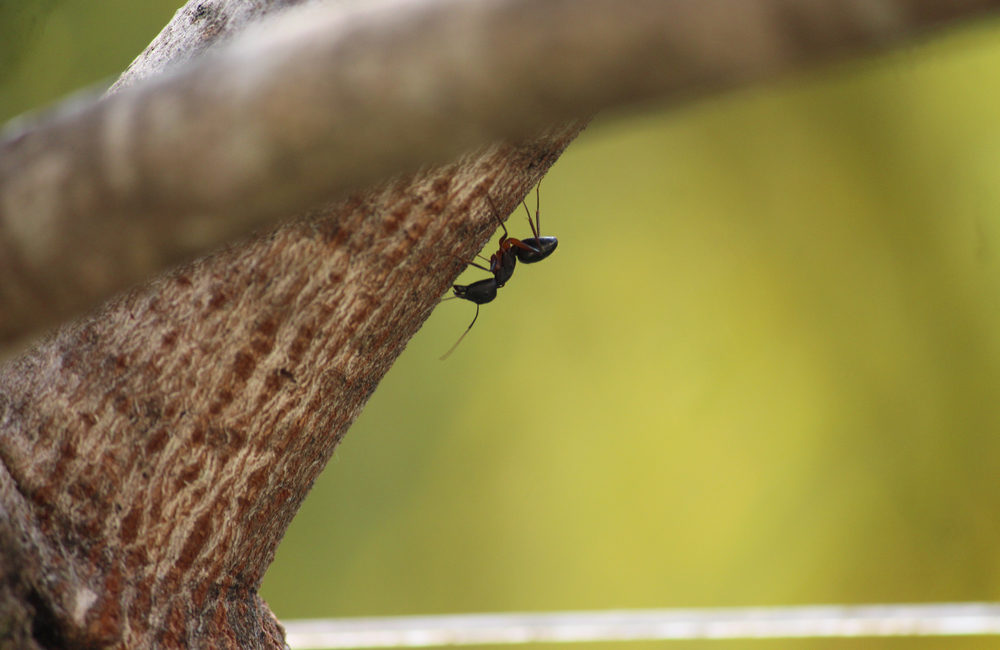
(502, 263)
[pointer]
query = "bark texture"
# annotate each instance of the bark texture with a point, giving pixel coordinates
(154, 454)
(334, 96)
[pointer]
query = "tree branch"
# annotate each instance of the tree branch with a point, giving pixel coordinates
(164, 445)
(154, 453)
(334, 96)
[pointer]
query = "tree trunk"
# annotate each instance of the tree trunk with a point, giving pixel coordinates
(154, 453)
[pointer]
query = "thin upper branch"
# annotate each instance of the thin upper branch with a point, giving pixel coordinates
(334, 96)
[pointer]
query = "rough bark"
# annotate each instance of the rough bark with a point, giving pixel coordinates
(154, 453)
(335, 96)
(157, 451)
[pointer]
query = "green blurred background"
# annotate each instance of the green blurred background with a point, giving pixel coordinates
(761, 369)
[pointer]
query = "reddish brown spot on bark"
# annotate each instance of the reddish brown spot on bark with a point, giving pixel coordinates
(198, 435)
(339, 238)
(397, 254)
(88, 419)
(271, 385)
(223, 398)
(226, 441)
(219, 621)
(267, 326)
(441, 184)
(121, 403)
(183, 280)
(243, 366)
(169, 339)
(200, 533)
(242, 507)
(355, 320)
(136, 560)
(265, 331)
(378, 342)
(187, 475)
(261, 345)
(215, 436)
(106, 626)
(156, 442)
(172, 634)
(303, 339)
(236, 440)
(256, 482)
(155, 508)
(81, 490)
(130, 525)
(199, 594)
(90, 529)
(426, 260)
(392, 222)
(151, 408)
(437, 206)
(70, 358)
(218, 299)
(139, 609)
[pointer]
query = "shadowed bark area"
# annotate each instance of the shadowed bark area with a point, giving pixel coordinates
(160, 448)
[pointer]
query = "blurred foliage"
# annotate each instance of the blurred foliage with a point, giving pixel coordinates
(762, 367)
(49, 48)
(20, 25)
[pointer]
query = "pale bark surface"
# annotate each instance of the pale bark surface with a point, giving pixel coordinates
(334, 96)
(154, 452)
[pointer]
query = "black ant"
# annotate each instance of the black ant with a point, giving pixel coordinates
(502, 263)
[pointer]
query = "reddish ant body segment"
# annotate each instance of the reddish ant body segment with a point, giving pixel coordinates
(502, 263)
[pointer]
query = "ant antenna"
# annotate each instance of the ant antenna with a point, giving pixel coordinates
(452, 348)
(538, 217)
(471, 263)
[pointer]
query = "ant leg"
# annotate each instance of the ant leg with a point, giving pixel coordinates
(452, 348)
(496, 214)
(471, 263)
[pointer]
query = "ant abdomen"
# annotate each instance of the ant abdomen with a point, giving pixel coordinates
(541, 247)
